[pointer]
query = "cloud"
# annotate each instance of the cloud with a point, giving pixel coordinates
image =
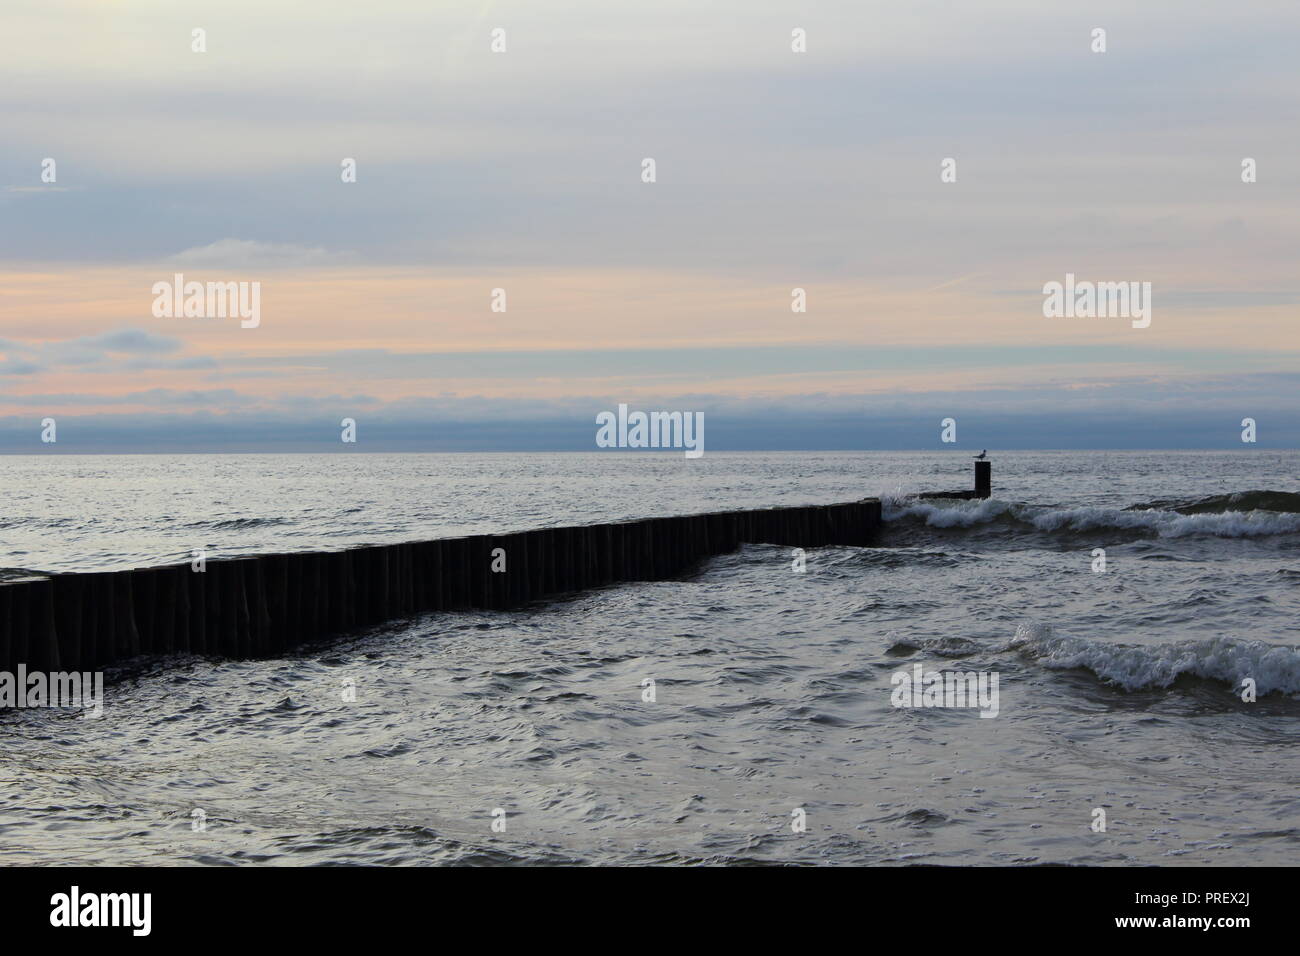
(19, 367)
(249, 253)
(130, 340)
(826, 162)
(119, 350)
(215, 423)
(775, 170)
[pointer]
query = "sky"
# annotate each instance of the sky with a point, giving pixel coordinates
(522, 170)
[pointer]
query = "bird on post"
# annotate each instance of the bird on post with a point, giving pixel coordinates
(982, 455)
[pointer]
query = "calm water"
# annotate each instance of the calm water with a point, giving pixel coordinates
(772, 688)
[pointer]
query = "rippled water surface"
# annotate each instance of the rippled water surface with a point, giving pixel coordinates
(772, 688)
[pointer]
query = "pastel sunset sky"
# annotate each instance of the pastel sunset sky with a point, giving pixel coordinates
(522, 170)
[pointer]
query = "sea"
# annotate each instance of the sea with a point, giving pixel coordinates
(1138, 610)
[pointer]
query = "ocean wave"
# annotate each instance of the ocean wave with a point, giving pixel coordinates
(1157, 521)
(239, 524)
(1273, 667)
(1170, 524)
(951, 646)
(957, 514)
(1286, 502)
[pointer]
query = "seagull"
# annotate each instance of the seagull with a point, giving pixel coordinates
(982, 455)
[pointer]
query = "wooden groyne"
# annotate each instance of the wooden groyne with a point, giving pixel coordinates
(983, 484)
(261, 605)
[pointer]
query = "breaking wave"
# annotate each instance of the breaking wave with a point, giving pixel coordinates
(1170, 524)
(1281, 501)
(1161, 522)
(1273, 667)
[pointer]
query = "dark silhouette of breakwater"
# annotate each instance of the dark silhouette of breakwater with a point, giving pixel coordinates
(983, 484)
(262, 605)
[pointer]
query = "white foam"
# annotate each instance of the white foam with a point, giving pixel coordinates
(1166, 524)
(1169, 524)
(1273, 667)
(956, 514)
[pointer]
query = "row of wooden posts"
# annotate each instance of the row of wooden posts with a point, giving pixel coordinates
(262, 605)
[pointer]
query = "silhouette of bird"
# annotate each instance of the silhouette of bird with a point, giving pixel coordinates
(982, 455)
